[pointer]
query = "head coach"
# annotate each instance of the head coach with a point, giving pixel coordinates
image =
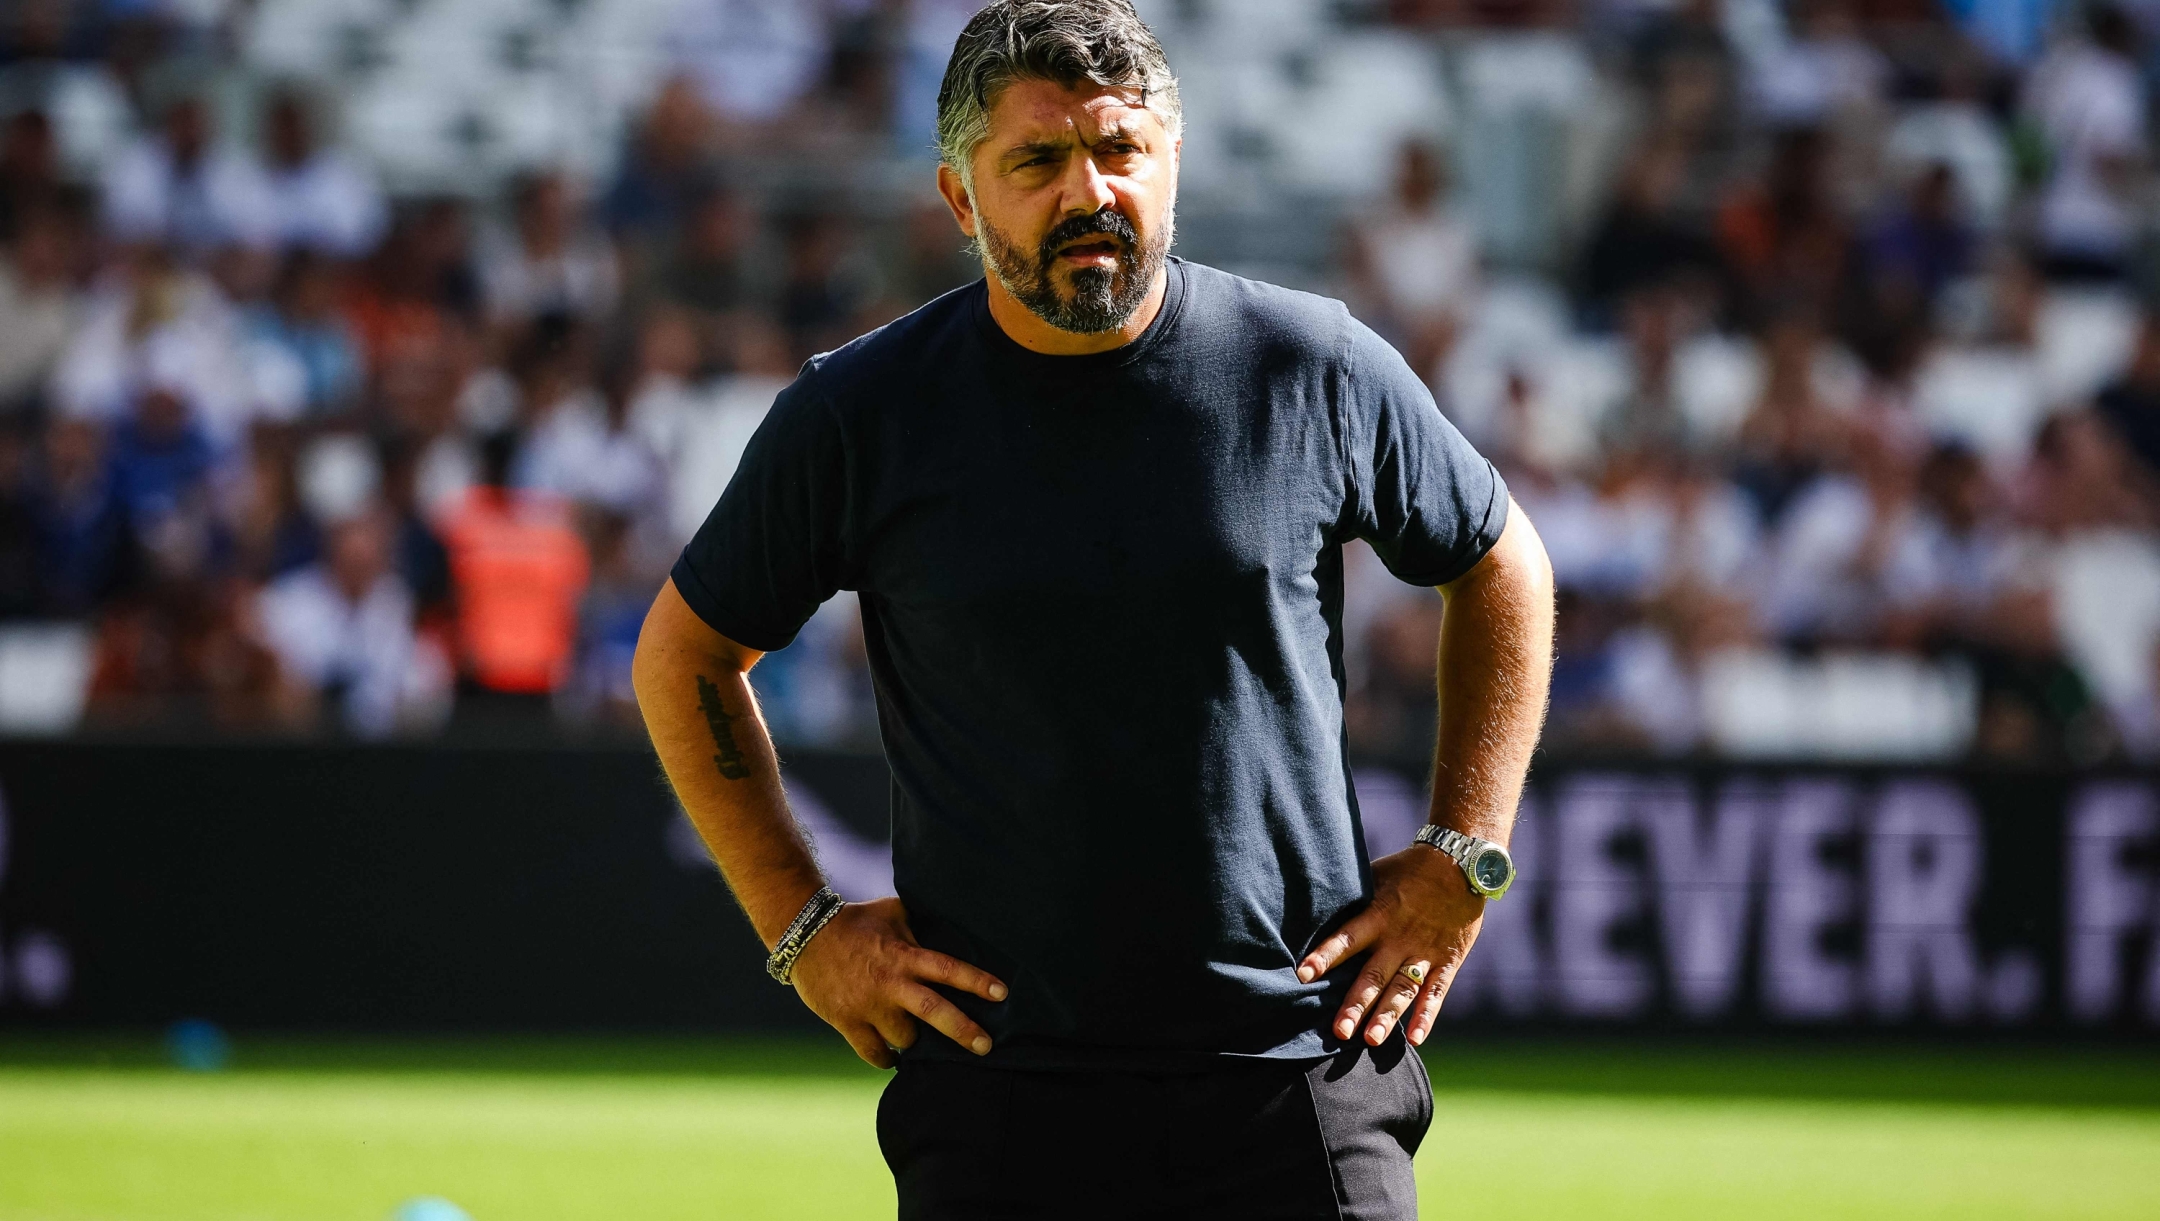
(1094, 506)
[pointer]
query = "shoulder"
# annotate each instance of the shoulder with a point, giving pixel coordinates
(864, 372)
(1267, 318)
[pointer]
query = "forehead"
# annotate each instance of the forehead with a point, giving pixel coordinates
(1039, 109)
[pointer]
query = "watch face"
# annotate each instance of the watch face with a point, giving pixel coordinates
(1492, 870)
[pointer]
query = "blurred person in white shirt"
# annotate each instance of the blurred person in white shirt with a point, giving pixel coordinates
(40, 303)
(1832, 549)
(323, 200)
(753, 60)
(155, 321)
(1957, 556)
(181, 187)
(1955, 128)
(1828, 73)
(344, 627)
(552, 260)
(2087, 100)
(1414, 262)
(709, 433)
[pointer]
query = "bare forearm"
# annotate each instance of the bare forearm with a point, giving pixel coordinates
(694, 691)
(1496, 651)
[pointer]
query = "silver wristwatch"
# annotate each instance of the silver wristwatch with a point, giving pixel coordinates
(1488, 866)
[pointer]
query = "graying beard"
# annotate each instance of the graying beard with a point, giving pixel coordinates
(1101, 302)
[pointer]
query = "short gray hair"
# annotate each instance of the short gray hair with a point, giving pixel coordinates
(1103, 42)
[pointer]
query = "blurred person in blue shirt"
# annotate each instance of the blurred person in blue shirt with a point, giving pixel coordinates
(301, 321)
(86, 545)
(160, 457)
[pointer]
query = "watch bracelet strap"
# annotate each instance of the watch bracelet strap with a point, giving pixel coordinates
(820, 909)
(1451, 842)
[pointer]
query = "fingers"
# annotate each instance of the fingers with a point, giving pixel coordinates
(1363, 993)
(1427, 1010)
(870, 1046)
(945, 1017)
(1355, 934)
(945, 969)
(1395, 997)
(895, 1029)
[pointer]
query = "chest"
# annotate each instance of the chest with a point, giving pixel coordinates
(1154, 490)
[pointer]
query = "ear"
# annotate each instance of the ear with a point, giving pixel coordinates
(957, 199)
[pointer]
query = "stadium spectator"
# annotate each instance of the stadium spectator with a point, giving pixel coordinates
(2131, 404)
(1783, 237)
(419, 286)
(1645, 239)
(86, 543)
(517, 572)
(931, 259)
(587, 449)
(184, 188)
(1791, 435)
(273, 532)
(2087, 102)
(1414, 263)
(550, 262)
(1955, 129)
(708, 273)
(753, 60)
(703, 438)
(344, 629)
(418, 554)
(40, 304)
(665, 171)
(321, 199)
(83, 99)
(1904, 261)
(828, 284)
(29, 168)
(302, 327)
(1828, 67)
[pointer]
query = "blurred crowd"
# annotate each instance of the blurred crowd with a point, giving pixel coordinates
(1812, 337)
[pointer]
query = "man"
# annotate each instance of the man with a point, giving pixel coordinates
(1094, 508)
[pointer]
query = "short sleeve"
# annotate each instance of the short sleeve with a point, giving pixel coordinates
(772, 550)
(1427, 501)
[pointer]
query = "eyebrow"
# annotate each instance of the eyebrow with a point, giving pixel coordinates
(1038, 148)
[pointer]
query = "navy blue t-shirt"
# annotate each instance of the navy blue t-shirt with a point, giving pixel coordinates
(1102, 597)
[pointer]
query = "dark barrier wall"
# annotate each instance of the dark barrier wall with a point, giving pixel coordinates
(415, 888)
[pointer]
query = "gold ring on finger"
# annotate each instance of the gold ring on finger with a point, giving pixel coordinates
(1415, 974)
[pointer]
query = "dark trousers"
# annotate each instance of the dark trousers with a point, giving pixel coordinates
(1252, 1141)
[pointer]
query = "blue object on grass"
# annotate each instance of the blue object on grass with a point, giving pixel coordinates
(198, 1046)
(429, 1208)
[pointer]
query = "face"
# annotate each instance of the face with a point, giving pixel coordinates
(1073, 200)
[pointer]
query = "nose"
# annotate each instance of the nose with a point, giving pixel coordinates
(1086, 190)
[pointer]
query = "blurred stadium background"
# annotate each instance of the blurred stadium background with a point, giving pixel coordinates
(363, 363)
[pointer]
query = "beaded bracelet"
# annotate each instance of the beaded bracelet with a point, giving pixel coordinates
(822, 907)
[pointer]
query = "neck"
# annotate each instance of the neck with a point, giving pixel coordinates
(1030, 332)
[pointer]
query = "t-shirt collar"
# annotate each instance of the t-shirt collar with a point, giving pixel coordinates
(1165, 322)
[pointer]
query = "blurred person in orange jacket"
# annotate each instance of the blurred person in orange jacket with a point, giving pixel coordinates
(517, 571)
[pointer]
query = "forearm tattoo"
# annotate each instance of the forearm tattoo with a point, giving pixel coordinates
(718, 719)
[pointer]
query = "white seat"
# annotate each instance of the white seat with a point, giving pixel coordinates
(2085, 339)
(1988, 398)
(44, 676)
(2107, 609)
(1760, 704)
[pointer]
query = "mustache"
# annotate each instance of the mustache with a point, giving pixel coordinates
(1104, 223)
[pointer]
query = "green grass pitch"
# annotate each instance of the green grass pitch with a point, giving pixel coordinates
(100, 1130)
